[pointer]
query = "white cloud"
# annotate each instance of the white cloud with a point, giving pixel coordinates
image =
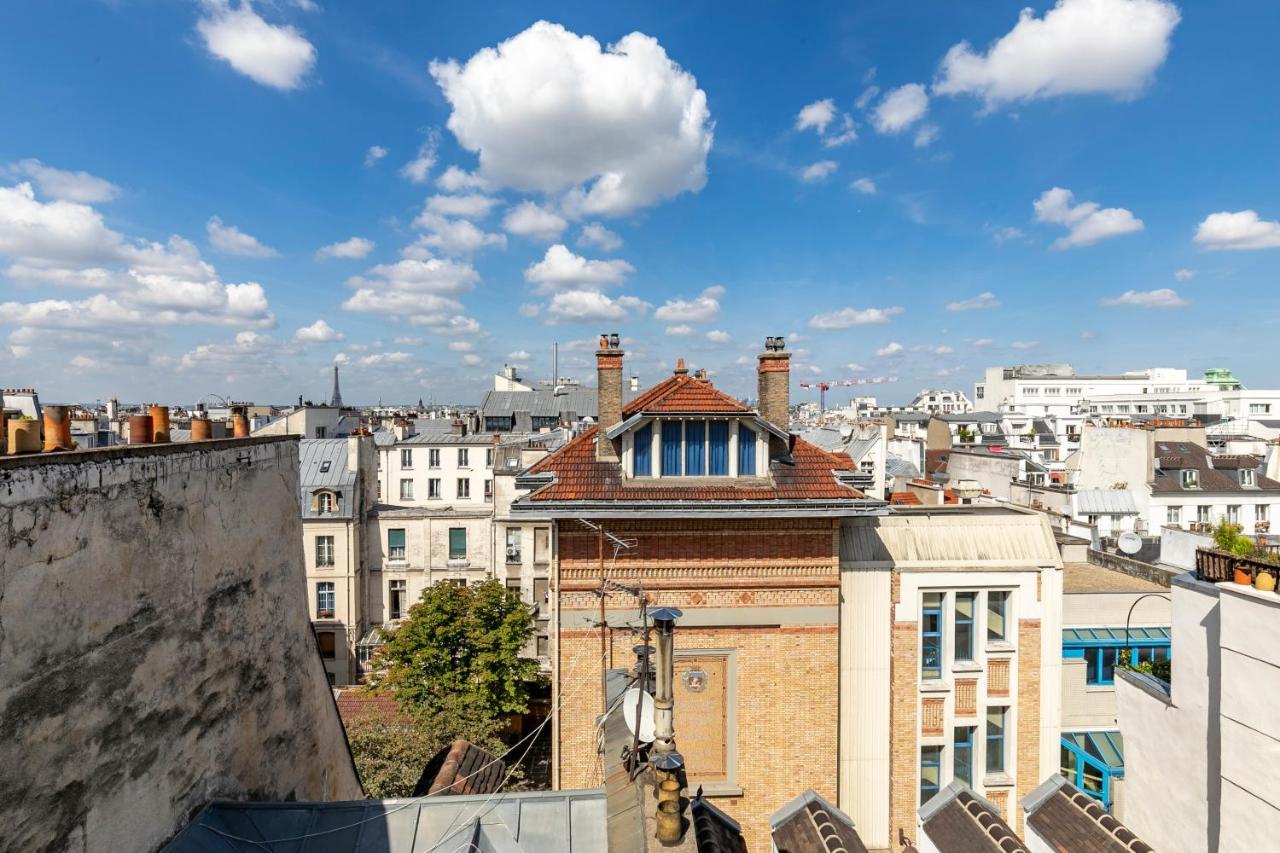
(816, 115)
(583, 305)
(595, 234)
(529, 310)
(407, 341)
(1087, 222)
(1005, 234)
(230, 240)
(820, 171)
(1163, 297)
(423, 291)
(374, 155)
(342, 358)
(378, 359)
(1240, 230)
(866, 186)
(719, 337)
(318, 332)
(461, 346)
(1110, 47)
(519, 355)
(854, 367)
(454, 237)
(980, 302)
(562, 269)
(532, 220)
(890, 349)
(352, 248)
(926, 136)
(867, 96)
(1184, 274)
(550, 111)
(474, 206)
(846, 317)
(276, 56)
(455, 179)
(471, 359)
(703, 308)
(65, 185)
(843, 134)
(900, 108)
(680, 331)
(983, 342)
(1024, 345)
(419, 168)
(939, 349)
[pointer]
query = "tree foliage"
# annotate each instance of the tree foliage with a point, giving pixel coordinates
(390, 754)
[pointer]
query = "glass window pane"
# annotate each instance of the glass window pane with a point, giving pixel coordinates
(746, 452)
(1091, 672)
(671, 433)
(457, 543)
(1109, 664)
(931, 636)
(964, 625)
(718, 448)
(997, 602)
(930, 772)
(962, 750)
(694, 459)
(643, 444)
(995, 740)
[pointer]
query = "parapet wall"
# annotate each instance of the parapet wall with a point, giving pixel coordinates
(152, 644)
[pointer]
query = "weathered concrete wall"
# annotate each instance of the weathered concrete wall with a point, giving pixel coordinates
(152, 644)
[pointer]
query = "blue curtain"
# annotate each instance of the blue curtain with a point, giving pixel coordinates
(746, 451)
(643, 440)
(671, 449)
(694, 461)
(718, 448)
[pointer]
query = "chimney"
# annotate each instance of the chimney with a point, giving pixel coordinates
(680, 370)
(664, 623)
(773, 383)
(459, 426)
(608, 395)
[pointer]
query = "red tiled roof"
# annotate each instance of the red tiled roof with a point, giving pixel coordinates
(356, 703)
(580, 477)
(683, 393)
(904, 499)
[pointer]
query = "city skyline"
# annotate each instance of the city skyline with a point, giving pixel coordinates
(918, 193)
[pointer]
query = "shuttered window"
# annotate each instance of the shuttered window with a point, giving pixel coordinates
(643, 442)
(718, 448)
(671, 435)
(694, 458)
(746, 451)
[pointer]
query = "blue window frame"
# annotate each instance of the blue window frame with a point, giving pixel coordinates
(1092, 761)
(931, 636)
(746, 451)
(965, 603)
(995, 739)
(672, 436)
(718, 448)
(997, 612)
(930, 772)
(962, 754)
(694, 451)
(642, 442)
(1100, 649)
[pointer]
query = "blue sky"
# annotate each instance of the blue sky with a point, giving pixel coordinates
(918, 190)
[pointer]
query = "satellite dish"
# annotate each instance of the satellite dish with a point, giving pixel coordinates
(646, 713)
(846, 430)
(1130, 543)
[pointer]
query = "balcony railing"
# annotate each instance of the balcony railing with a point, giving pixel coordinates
(1217, 566)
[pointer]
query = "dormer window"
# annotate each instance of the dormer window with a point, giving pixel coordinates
(1190, 478)
(324, 502)
(1248, 477)
(693, 447)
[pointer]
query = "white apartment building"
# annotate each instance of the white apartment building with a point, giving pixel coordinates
(939, 402)
(1056, 389)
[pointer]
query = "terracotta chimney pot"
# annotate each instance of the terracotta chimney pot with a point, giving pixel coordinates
(160, 424)
(141, 430)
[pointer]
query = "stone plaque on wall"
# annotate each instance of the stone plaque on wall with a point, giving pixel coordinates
(701, 717)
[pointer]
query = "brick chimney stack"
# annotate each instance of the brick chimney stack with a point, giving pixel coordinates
(773, 383)
(608, 395)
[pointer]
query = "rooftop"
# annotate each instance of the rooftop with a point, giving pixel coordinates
(1086, 577)
(1068, 819)
(957, 820)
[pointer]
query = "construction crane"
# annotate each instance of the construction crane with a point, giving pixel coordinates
(823, 387)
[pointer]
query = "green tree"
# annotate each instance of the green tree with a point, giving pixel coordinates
(390, 754)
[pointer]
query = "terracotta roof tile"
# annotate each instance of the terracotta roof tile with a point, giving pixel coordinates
(684, 393)
(904, 499)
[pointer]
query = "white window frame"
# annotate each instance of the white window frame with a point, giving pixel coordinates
(406, 494)
(464, 488)
(325, 551)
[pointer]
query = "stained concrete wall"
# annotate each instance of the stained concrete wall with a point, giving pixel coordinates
(153, 644)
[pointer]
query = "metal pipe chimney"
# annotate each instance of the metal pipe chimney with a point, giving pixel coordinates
(664, 623)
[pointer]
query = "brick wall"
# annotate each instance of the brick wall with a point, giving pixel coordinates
(903, 727)
(1028, 771)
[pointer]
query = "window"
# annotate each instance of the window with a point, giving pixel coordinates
(995, 739)
(324, 600)
(979, 391)
(541, 545)
(488, 491)
(464, 457)
(325, 466)
(1173, 515)
(457, 543)
(433, 488)
(964, 625)
(406, 458)
(672, 432)
(328, 644)
(1203, 514)
(694, 447)
(1190, 478)
(395, 544)
(324, 502)
(1259, 408)
(433, 457)
(324, 550)
(718, 448)
(513, 544)
(488, 457)
(1031, 391)
(322, 432)
(1260, 512)
(997, 612)
(642, 444)
(867, 466)
(930, 772)
(397, 593)
(1248, 477)
(746, 451)
(1233, 513)
(406, 490)
(931, 636)
(962, 754)
(464, 488)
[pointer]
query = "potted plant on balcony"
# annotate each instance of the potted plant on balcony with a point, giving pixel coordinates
(1229, 538)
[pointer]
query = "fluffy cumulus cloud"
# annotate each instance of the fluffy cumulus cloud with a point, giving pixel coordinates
(818, 172)
(1109, 47)
(833, 128)
(61, 245)
(353, 248)
(471, 206)
(866, 186)
(1024, 345)
(1086, 222)
(419, 168)
(719, 337)
(318, 332)
(681, 330)
(703, 308)
(230, 240)
(65, 185)
(1184, 274)
(561, 269)
(1240, 230)
(890, 349)
(424, 291)
(1002, 235)
(845, 318)
(574, 306)
(983, 342)
(900, 108)
(454, 180)
(595, 234)
(273, 55)
(980, 302)
(528, 219)
(1163, 297)
(549, 111)
(454, 237)
(381, 359)
(374, 155)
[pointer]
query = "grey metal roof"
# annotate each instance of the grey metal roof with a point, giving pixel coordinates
(971, 417)
(896, 466)
(544, 402)
(1106, 502)
(533, 822)
(312, 454)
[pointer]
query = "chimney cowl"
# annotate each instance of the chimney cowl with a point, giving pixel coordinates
(680, 370)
